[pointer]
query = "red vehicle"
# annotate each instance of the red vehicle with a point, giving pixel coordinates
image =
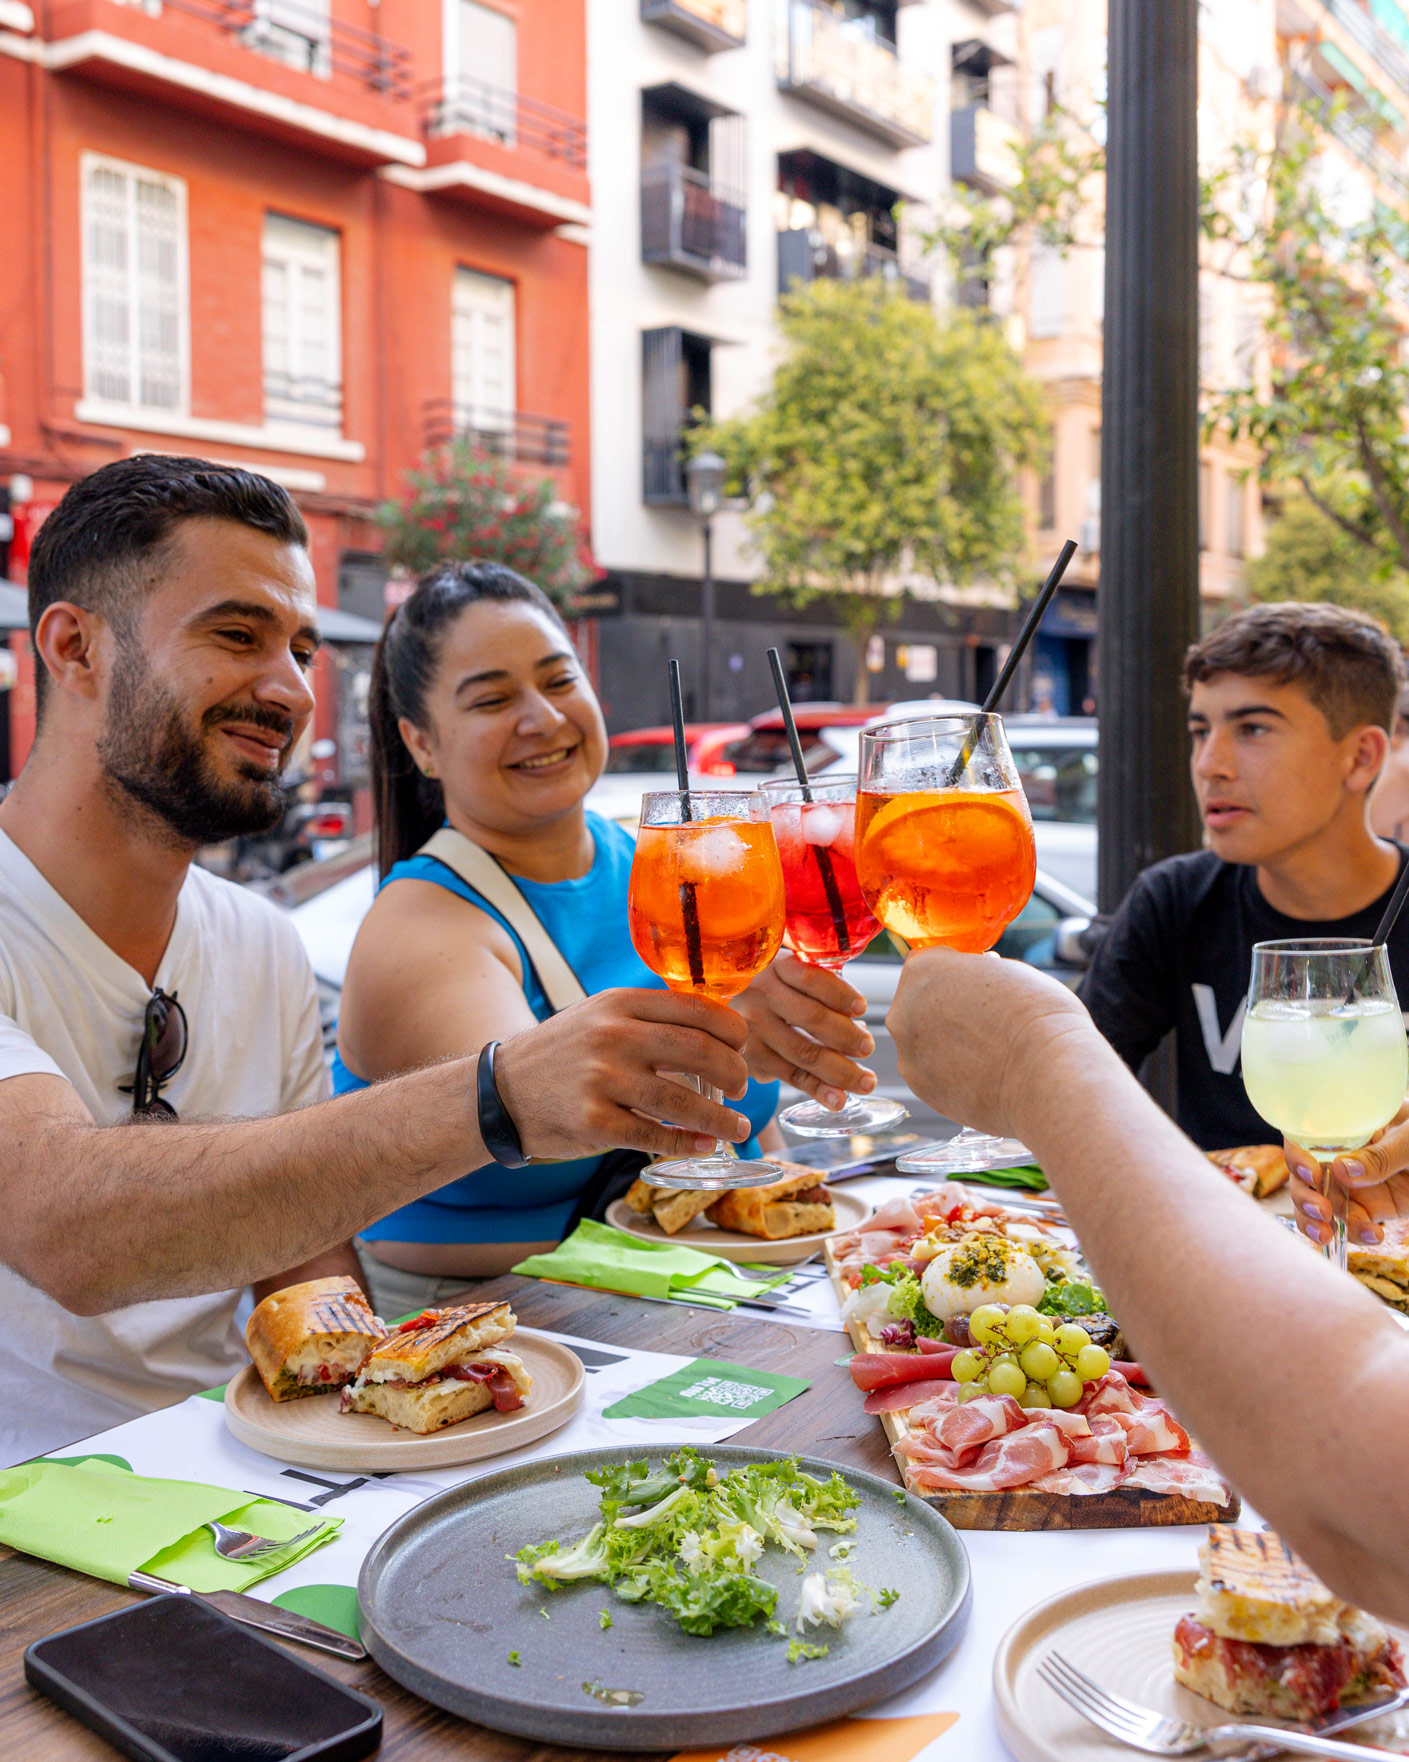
(830, 735)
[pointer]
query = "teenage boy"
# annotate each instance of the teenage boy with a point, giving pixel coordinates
(1290, 708)
(174, 617)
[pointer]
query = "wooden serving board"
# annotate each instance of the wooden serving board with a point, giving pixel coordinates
(1021, 1508)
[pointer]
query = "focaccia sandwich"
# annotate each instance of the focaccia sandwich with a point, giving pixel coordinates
(794, 1206)
(1384, 1267)
(442, 1367)
(1258, 1169)
(309, 1339)
(671, 1207)
(1269, 1638)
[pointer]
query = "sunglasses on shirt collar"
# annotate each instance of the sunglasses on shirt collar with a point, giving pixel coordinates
(159, 1057)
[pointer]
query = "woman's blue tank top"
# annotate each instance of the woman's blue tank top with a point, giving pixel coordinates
(586, 918)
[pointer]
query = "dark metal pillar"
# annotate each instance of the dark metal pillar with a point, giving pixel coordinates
(707, 623)
(1149, 592)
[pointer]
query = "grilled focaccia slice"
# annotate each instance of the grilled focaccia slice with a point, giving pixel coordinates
(309, 1339)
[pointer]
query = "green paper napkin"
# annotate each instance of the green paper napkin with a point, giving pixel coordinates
(98, 1519)
(611, 1260)
(709, 1386)
(1026, 1175)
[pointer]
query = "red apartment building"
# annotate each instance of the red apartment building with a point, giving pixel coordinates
(310, 237)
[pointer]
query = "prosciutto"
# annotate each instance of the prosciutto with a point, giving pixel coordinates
(903, 1397)
(1114, 1437)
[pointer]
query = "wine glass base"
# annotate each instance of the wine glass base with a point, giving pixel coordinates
(708, 1174)
(862, 1113)
(966, 1153)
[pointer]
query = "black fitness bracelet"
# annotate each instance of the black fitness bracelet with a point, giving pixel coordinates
(496, 1126)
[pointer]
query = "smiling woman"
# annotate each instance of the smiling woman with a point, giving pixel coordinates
(483, 722)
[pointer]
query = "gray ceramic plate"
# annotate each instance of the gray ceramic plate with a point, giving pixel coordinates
(442, 1609)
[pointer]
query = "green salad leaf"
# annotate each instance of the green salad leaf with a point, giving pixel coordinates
(907, 1303)
(1064, 1296)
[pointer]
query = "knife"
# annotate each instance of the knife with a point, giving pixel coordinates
(252, 1613)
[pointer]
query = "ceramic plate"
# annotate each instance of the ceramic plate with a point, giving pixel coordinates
(311, 1433)
(1120, 1632)
(850, 1209)
(442, 1611)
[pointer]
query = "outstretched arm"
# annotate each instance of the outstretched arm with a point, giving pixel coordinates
(1292, 1376)
(103, 1216)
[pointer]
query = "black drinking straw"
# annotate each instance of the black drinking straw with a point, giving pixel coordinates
(1015, 654)
(1392, 910)
(822, 854)
(689, 905)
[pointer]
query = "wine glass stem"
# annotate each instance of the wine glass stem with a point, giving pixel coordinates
(719, 1150)
(1335, 1249)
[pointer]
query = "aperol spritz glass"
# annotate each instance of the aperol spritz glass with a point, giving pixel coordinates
(828, 921)
(945, 857)
(706, 914)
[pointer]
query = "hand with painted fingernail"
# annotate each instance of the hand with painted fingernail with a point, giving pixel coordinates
(1374, 1181)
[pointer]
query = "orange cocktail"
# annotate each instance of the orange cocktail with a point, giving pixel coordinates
(706, 915)
(950, 866)
(707, 903)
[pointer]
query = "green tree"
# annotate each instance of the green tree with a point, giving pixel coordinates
(467, 503)
(886, 449)
(1330, 417)
(1310, 557)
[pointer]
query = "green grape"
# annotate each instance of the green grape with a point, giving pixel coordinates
(1047, 1332)
(1003, 1358)
(1039, 1361)
(1035, 1396)
(969, 1391)
(1092, 1362)
(985, 1323)
(1064, 1388)
(1070, 1339)
(1024, 1324)
(1006, 1379)
(966, 1367)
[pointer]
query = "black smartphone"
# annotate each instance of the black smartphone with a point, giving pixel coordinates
(173, 1680)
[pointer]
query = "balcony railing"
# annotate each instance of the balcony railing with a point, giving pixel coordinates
(465, 106)
(983, 149)
(303, 400)
(709, 24)
(688, 225)
(841, 65)
(804, 255)
(1359, 137)
(1372, 37)
(309, 39)
(511, 434)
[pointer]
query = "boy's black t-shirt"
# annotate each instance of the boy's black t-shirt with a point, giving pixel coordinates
(1178, 954)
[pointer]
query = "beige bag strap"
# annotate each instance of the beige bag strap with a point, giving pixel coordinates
(478, 869)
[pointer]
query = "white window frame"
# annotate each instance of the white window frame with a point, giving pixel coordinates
(289, 412)
(469, 414)
(88, 163)
(492, 112)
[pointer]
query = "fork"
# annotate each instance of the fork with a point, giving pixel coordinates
(1145, 1729)
(243, 1545)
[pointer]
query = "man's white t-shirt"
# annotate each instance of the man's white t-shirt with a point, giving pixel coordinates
(70, 1007)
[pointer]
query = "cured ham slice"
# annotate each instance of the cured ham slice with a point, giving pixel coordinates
(1192, 1477)
(1108, 1394)
(935, 1406)
(1010, 1461)
(1152, 1431)
(877, 1370)
(1107, 1442)
(896, 1214)
(1068, 1423)
(1079, 1479)
(965, 1430)
(904, 1397)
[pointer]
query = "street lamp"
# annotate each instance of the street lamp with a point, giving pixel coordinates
(704, 484)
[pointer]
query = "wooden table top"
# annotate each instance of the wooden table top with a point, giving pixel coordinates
(827, 1421)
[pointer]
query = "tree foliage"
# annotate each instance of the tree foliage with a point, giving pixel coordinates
(1048, 204)
(887, 447)
(465, 503)
(1330, 418)
(1310, 557)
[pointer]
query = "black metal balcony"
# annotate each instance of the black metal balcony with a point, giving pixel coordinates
(310, 41)
(465, 106)
(510, 434)
(687, 225)
(303, 400)
(803, 256)
(708, 24)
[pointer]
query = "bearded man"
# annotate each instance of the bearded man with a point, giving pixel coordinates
(164, 1140)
